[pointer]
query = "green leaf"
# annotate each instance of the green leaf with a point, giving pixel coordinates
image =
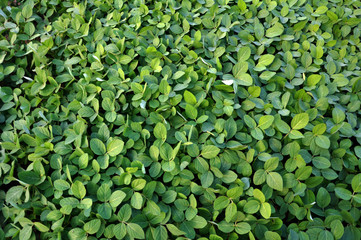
(337, 228)
(323, 141)
(258, 194)
(266, 59)
(243, 53)
(323, 198)
(325, 235)
(178, 74)
(271, 236)
(275, 31)
(120, 230)
(61, 185)
(271, 164)
(244, 79)
(356, 183)
(104, 193)
(29, 177)
(321, 162)
(259, 176)
(189, 97)
(125, 59)
(191, 111)
(27, 11)
(78, 189)
(251, 207)
(313, 79)
(221, 203)
(135, 231)
(343, 193)
(117, 198)
(303, 173)
(86, 112)
(77, 234)
(25, 232)
(138, 184)
(160, 131)
(231, 211)
(274, 180)
(174, 230)
(83, 161)
(137, 200)
(242, 228)
(105, 210)
(97, 146)
(207, 179)
(265, 210)
(125, 213)
(210, 151)
(41, 227)
(92, 226)
(234, 192)
(338, 116)
(299, 121)
(115, 147)
(198, 222)
(249, 121)
(265, 121)
(226, 227)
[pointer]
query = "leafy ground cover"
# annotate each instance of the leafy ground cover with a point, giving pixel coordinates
(193, 119)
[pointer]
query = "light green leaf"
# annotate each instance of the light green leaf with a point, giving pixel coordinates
(61, 185)
(25, 232)
(210, 151)
(77, 234)
(243, 228)
(266, 59)
(265, 121)
(116, 198)
(251, 206)
(78, 189)
(198, 222)
(221, 203)
(189, 97)
(275, 31)
(265, 210)
(135, 231)
(191, 111)
(160, 131)
(356, 183)
(136, 200)
(115, 147)
(274, 180)
(231, 211)
(27, 11)
(174, 230)
(258, 194)
(271, 164)
(299, 121)
(41, 227)
(244, 79)
(125, 59)
(92, 226)
(271, 236)
(323, 141)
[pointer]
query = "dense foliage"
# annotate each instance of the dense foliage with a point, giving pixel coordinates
(192, 119)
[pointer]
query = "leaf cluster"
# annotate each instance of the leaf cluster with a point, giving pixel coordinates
(207, 119)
